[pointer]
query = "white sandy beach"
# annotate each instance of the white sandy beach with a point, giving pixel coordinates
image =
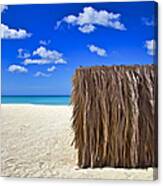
(36, 142)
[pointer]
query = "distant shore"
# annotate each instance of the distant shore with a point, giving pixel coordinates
(36, 142)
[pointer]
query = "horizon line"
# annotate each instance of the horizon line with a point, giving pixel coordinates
(39, 95)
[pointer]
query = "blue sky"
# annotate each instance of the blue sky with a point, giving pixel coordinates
(42, 45)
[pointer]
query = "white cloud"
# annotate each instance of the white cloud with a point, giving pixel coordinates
(36, 61)
(99, 51)
(44, 42)
(148, 21)
(150, 45)
(3, 8)
(10, 33)
(87, 28)
(23, 53)
(38, 74)
(51, 69)
(46, 57)
(17, 68)
(89, 18)
(47, 54)
(70, 19)
(60, 61)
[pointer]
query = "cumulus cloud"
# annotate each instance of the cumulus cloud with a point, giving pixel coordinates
(17, 68)
(87, 28)
(22, 53)
(60, 61)
(38, 74)
(150, 45)
(148, 21)
(3, 8)
(45, 57)
(44, 42)
(36, 61)
(47, 54)
(51, 69)
(99, 51)
(10, 33)
(90, 18)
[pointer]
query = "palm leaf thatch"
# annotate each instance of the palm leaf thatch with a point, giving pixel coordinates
(114, 116)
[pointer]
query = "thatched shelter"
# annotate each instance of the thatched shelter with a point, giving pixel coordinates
(115, 116)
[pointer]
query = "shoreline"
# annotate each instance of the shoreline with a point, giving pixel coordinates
(31, 104)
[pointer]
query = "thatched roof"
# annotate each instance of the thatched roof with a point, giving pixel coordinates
(114, 116)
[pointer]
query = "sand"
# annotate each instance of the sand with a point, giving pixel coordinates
(36, 142)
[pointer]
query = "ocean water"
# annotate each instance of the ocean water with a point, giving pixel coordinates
(43, 100)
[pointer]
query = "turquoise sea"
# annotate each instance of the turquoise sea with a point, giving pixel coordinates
(43, 100)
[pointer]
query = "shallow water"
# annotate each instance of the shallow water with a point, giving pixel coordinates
(45, 100)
